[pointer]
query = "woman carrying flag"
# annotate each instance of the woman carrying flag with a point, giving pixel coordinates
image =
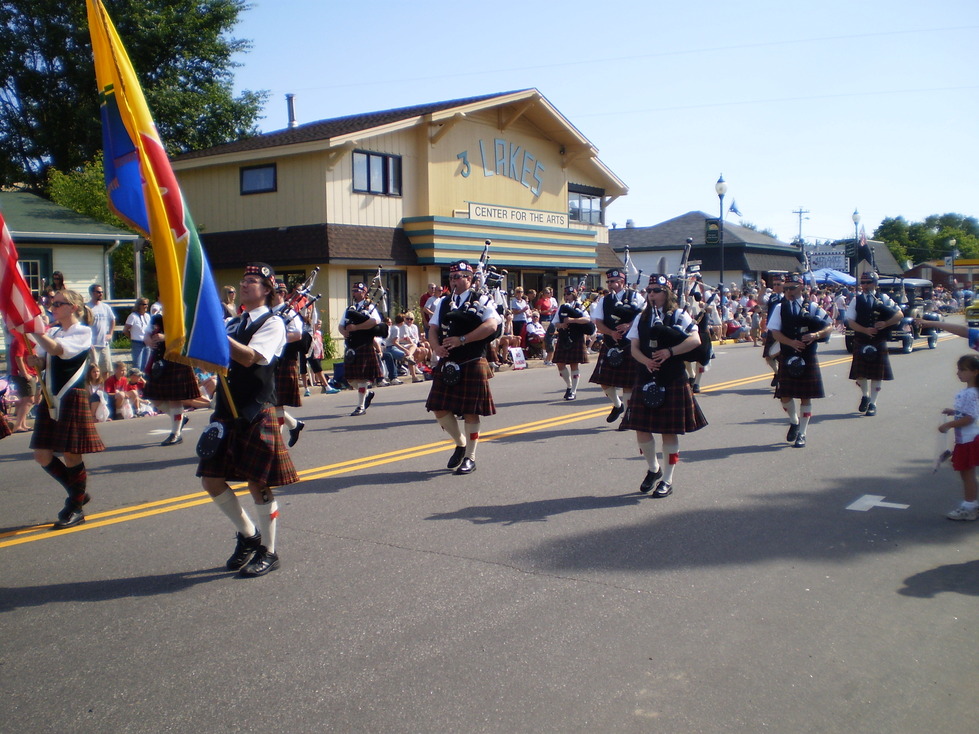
(64, 420)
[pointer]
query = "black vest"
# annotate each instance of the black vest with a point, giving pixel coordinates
(62, 370)
(662, 336)
(869, 313)
(460, 321)
(252, 388)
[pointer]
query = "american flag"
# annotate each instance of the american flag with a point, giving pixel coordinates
(20, 310)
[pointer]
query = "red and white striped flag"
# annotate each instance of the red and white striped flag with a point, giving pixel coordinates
(19, 308)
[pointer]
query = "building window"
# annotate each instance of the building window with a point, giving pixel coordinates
(31, 270)
(585, 204)
(258, 179)
(377, 173)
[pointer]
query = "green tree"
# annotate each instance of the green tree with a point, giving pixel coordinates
(182, 54)
(930, 239)
(83, 191)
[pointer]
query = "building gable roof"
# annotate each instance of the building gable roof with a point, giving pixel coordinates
(673, 233)
(31, 218)
(336, 132)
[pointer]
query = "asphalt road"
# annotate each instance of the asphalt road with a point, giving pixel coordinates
(541, 593)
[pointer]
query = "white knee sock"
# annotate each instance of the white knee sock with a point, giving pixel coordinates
(451, 426)
(671, 457)
(612, 393)
(228, 503)
(268, 515)
(566, 375)
(472, 439)
(648, 450)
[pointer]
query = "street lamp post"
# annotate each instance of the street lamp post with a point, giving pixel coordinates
(952, 243)
(721, 188)
(856, 240)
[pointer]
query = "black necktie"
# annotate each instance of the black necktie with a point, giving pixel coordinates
(242, 325)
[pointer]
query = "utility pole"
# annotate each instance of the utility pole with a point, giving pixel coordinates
(800, 211)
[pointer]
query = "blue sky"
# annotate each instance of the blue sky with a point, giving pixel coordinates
(825, 106)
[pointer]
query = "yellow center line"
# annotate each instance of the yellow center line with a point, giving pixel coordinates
(158, 507)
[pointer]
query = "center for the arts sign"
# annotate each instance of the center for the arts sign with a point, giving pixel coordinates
(514, 215)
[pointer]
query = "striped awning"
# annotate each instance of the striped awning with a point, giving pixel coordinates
(442, 240)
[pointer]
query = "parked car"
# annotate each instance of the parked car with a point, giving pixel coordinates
(972, 315)
(914, 296)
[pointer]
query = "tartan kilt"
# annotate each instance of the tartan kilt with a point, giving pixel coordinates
(73, 433)
(471, 396)
(175, 383)
(678, 414)
(253, 452)
(287, 384)
(625, 375)
(810, 385)
(574, 354)
(767, 344)
(365, 367)
(862, 368)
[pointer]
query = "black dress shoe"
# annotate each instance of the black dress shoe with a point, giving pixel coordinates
(650, 480)
(70, 516)
(294, 433)
(172, 440)
(359, 411)
(800, 442)
(614, 415)
(456, 459)
(570, 395)
(567, 393)
(871, 410)
(264, 561)
(663, 489)
(696, 388)
(245, 550)
(369, 400)
(793, 433)
(864, 402)
(468, 466)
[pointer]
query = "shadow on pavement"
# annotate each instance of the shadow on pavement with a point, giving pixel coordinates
(106, 589)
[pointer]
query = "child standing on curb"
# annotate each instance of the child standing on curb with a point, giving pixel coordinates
(965, 456)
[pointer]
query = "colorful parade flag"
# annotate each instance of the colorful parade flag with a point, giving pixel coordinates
(17, 303)
(143, 191)
(734, 208)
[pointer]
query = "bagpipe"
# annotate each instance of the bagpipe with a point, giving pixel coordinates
(624, 312)
(377, 297)
(301, 298)
(487, 281)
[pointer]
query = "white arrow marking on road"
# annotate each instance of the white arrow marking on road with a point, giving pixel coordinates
(869, 501)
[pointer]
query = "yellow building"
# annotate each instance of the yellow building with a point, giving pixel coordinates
(408, 190)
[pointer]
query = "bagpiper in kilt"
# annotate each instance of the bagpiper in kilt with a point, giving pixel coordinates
(64, 421)
(287, 366)
(612, 316)
(662, 402)
(168, 383)
(871, 316)
(462, 325)
(243, 441)
(798, 325)
(359, 324)
(571, 325)
(768, 343)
